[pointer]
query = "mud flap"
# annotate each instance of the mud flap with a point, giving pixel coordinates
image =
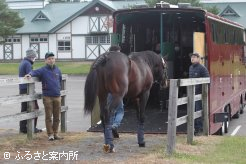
(220, 117)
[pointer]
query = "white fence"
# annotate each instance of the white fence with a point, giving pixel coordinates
(174, 102)
(30, 97)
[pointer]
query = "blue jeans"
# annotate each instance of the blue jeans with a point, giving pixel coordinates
(198, 121)
(119, 112)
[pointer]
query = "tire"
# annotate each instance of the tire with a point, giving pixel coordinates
(242, 108)
(226, 123)
(237, 115)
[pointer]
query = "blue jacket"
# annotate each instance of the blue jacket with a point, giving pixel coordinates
(51, 80)
(197, 71)
(24, 68)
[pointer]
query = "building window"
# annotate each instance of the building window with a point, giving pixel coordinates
(64, 45)
(102, 39)
(39, 39)
(13, 40)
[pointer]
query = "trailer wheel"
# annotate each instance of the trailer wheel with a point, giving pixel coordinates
(242, 108)
(226, 123)
(237, 115)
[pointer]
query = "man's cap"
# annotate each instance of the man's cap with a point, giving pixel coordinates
(49, 54)
(30, 53)
(194, 54)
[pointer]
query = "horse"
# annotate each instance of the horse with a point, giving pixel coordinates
(123, 76)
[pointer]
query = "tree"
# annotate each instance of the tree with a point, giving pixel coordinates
(10, 21)
(195, 3)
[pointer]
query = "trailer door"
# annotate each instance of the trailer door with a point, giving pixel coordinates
(199, 44)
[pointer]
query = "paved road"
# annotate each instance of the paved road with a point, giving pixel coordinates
(238, 126)
(75, 118)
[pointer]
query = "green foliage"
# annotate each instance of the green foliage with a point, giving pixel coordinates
(10, 20)
(195, 3)
(213, 10)
(174, 2)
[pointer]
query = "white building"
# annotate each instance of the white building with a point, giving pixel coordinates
(72, 31)
(230, 9)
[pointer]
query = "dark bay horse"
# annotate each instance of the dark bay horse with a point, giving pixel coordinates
(123, 76)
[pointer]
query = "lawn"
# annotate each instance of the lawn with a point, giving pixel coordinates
(75, 68)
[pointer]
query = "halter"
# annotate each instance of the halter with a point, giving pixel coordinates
(163, 62)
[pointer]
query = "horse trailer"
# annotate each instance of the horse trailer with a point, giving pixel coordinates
(174, 32)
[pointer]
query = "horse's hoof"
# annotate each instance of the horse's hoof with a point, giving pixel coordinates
(141, 144)
(108, 149)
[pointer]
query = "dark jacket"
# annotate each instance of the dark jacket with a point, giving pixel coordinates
(24, 68)
(51, 80)
(197, 71)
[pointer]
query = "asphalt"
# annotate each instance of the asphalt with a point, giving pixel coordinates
(76, 120)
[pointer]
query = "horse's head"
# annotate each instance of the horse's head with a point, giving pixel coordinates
(161, 73)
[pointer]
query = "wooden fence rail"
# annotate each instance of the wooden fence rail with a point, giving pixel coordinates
(174, 102)
(30, 97)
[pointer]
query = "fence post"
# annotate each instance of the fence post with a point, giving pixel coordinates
(30, 108)
(63, 103)
(172, 116)
(205, 109)
(190, 113)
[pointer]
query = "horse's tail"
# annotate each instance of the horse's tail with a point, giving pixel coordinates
(90, 91)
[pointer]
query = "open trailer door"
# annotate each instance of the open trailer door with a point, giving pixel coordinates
(199, 44)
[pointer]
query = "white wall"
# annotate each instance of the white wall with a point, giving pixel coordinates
(25, 40)
(43, 48)
(52, 44)
(78, 47)
(64, 55)
(17, 51)
(80, 25)
(1, 51)
(66, 28)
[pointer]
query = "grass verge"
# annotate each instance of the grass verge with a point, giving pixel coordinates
(211, 149)
(74, 68)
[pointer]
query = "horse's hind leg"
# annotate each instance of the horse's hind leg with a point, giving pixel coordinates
(108, 115)
(141, 116)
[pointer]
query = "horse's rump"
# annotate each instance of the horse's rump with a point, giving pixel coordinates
(108, 74)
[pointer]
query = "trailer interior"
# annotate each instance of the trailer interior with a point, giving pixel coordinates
(142, 29)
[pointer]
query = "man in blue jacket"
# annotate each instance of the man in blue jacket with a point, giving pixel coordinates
(24, 68)
(51, 77)
(197, 70)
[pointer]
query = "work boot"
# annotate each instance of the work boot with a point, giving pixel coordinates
(56, 137)
(51, 138)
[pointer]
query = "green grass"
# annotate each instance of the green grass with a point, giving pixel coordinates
(228, 150)
(74, 68)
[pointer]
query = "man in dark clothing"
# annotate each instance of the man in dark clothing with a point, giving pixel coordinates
(197, 70)
(24, 68)
(51, 77)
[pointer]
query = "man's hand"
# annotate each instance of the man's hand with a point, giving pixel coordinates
(27, 76)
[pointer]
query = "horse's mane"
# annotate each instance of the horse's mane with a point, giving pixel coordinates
(150, 57)
(101, 60)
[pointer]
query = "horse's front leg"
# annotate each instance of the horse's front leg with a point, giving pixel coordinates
(141, 116)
